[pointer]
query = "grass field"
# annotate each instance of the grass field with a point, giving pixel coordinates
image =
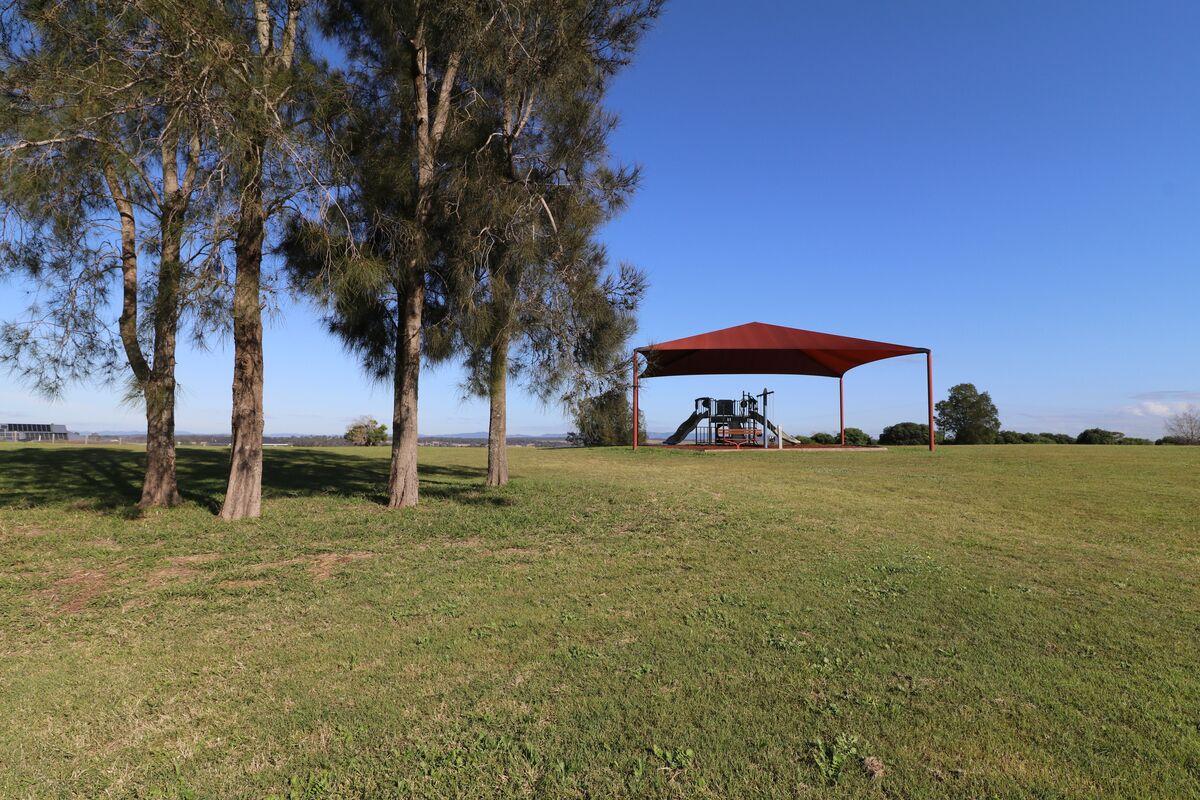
(985, 622)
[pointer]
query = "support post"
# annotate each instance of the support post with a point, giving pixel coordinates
(842, 406)
(635, 400)
(929, 376)
(765, 418)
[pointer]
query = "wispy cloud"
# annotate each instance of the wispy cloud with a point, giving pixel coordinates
(1170, 394)
(1144, 418)
(1156, 408)
(1161, 404)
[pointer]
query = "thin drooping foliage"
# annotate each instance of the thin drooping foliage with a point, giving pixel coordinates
(380, 265)
(268, 77)
(107, 177)
(544, 305)
(477, 179)
(443, 191)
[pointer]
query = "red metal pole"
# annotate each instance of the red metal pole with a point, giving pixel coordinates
(929, 374)
(842, 406)
(635, 402)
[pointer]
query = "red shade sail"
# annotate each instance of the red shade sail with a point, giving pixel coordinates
(759, 348)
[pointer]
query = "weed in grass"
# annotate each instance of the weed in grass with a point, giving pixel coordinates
(832, 759)
(673, 761)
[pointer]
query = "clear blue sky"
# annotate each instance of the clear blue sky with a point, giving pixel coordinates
(1014, 185)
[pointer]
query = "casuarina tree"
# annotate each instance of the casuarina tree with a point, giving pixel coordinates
(534, 196)
(265, 71)
(378, 265)
(108, 178)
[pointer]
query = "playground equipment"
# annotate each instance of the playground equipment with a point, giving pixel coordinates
(736, 423)
(758, 348)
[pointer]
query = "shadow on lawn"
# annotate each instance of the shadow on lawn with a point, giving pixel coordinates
(108, 479)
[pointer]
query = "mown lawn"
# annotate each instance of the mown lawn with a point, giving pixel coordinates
(1017, 621)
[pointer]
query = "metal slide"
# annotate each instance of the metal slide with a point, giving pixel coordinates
(686, 427)
(770, 426)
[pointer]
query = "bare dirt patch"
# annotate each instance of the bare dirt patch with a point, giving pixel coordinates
(469, 542)
(170, 575)
(197, 558)
(265, 565)
(72, 593)
(105, 544)
(242, 584)
(322, 565)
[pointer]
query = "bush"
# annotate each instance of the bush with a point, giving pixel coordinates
(905, 433)
(1014, 437)
(366, 432)
(1171, 440)
(824, 438)
(1099, 436)
(1134, 440)
(605, 420)
(856, 437)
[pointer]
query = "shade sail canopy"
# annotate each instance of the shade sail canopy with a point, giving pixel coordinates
(759, 348)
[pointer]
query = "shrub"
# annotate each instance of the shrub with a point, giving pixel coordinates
(605, 420)
(824, 438)
(1134, 440)
(365, 432)
(1099, 436)
(905, 433)
(856, 437)
(1014, 437)
(1171, 440)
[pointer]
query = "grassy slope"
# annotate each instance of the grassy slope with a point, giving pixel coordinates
(1018, 621)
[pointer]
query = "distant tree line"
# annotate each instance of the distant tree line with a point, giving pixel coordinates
(435, 187)
(968, 416)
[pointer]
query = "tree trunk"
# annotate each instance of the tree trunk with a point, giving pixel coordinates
(160, 487)
(243, 498)
(402, 481)
(497, 474)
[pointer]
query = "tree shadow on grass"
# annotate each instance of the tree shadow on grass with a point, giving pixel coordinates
(109, 479)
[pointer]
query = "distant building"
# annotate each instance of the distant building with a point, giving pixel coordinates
(32, 432)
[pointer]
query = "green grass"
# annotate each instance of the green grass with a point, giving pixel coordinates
(987, 622)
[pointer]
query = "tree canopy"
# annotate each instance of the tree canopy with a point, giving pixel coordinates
(968, 416)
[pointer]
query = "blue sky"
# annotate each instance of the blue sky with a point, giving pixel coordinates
(1014, 185)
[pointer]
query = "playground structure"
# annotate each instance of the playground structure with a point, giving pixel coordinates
(759, 348)
(735, 423)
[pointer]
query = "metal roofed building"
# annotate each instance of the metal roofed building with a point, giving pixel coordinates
(32, 432)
